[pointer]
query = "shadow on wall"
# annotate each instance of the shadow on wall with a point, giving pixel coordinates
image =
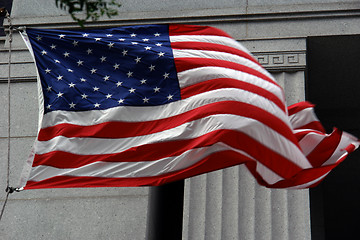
(7, 4)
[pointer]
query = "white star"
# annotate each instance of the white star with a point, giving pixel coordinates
(96, 89)
(133, 35)
(80, 62)
(47, 70)
(129, 74)
(71, 85)
(161, 54)
(70, 70)
(82, 79)
(116, 66)
(66, 54)
(53, 46)
(108, 96)
(124, 52)
(143, 81)
(157, 34)
(146, 100)
(147, 48)
(121, 101)
(118, 84)
(93, 71)
(170, 97)
(43, 52)
(159, 44)
(110, 45)
(145, 39)
(62, 36)
(137, 60)
(134, 43)
(152, 68)
(132, 90)
(48, 106)
(84, 96)
(156, 89)
(89, 51)
(109, 35)
(75, 43)
(59, 77)
(39, 38)
(166, 75)
(72, 105)
(56, 61)
(121, 39)
(97, 105)
(49, 88)
(97, 39)
(60, 94)
(106, 78)
(85, 35)
(103, 59)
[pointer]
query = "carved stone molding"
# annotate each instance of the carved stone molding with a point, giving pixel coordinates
(282, 61)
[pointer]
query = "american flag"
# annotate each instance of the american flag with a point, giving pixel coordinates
(151, 104)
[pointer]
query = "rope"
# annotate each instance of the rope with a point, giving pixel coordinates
(3, 208)
(8, 188)
(9, 78)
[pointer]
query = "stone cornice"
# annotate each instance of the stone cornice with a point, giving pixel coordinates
(282, 61)
(294, 12)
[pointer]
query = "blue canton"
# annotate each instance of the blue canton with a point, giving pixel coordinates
(100, 69)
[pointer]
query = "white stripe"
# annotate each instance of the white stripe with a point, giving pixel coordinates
(39, 87)
(229, 42)
(146, 169)
(261, 133)
(220, 56)
(141, 114)
(201, 74)
(345, 141)
(303, 117)
(267, 174)
(132, 169)
(310, 141)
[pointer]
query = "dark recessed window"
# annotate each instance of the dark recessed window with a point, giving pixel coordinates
(333, 84)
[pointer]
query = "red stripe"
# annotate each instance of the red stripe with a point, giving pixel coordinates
(219, 83)
(132, 129)
(179, 29)
(212, 47)
(297, 107)
(183, 64)
(237, 140)
(306, 176)
(208, 164)
(325, 149)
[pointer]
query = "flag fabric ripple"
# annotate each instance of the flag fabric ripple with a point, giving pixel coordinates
(151, 104)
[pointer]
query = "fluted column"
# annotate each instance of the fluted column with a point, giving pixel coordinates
(228, 204)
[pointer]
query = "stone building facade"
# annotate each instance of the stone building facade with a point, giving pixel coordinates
(226, 204)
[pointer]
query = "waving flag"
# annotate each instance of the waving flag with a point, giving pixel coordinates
(147, 105)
